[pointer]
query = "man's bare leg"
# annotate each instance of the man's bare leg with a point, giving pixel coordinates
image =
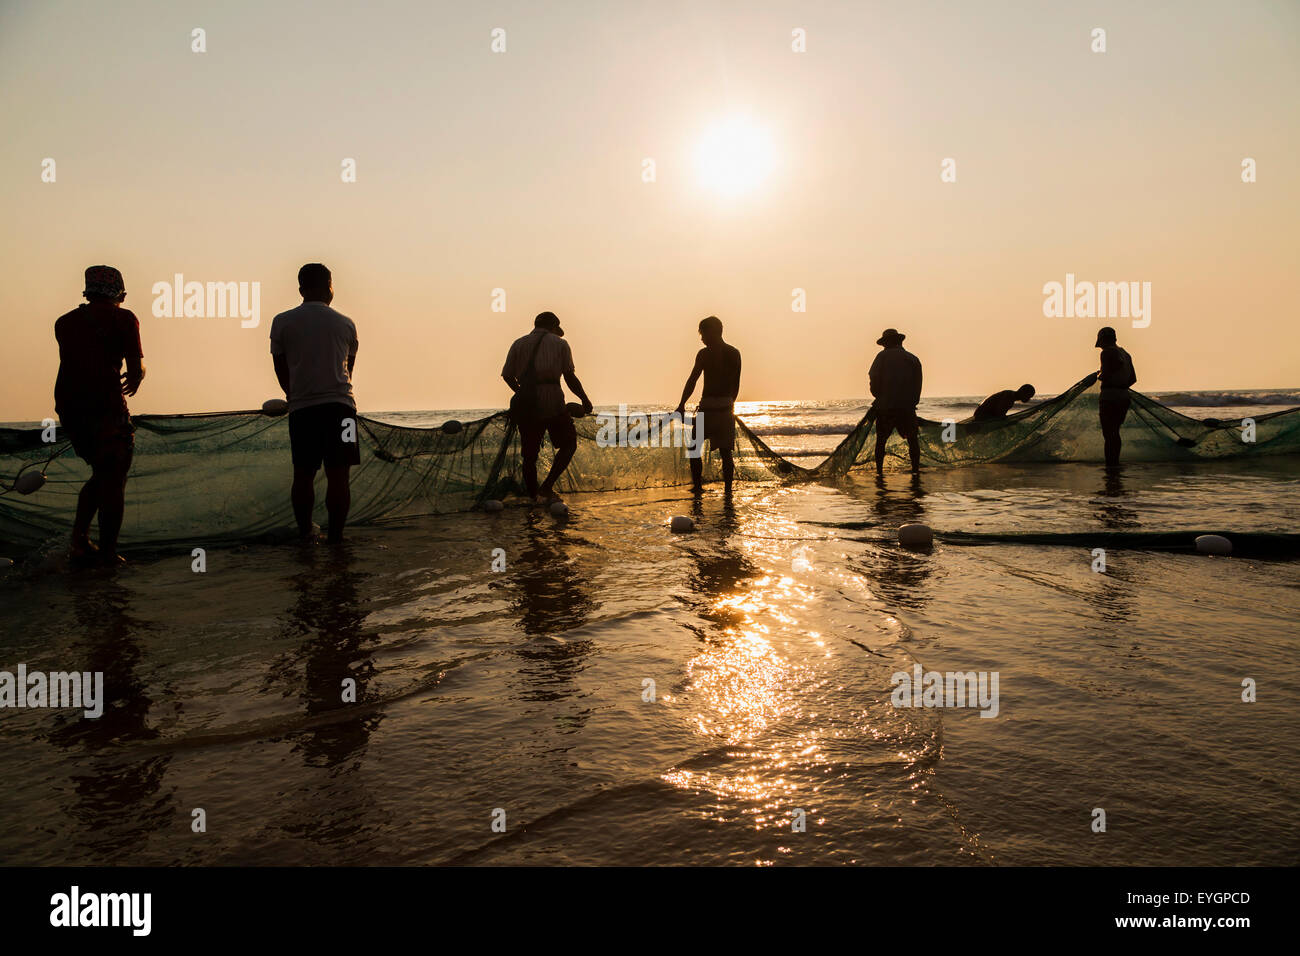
(110, 482)
(728, 469)
(87, 505)
(338, 500)
(697, 475)
(695, 454)
(303, 496)
(561, 461)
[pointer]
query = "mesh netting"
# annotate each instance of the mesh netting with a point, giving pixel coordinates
(224, 478)
(1066, 429)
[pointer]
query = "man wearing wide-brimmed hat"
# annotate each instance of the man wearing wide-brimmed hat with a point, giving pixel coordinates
(895, 382)
(90, 393)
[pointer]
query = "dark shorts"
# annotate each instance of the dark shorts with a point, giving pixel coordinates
(715, 423)
(316, 437)
(1113, 412)
(561, 429)
(901, 420)
(100, 440)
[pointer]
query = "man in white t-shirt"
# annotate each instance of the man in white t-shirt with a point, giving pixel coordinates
(534, 366)
(315, 351)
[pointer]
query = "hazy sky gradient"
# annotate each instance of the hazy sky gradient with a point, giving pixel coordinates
(522, 170)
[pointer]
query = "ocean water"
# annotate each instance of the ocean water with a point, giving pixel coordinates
(622, 695)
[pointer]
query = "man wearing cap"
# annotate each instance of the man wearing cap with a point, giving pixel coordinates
(90, 393)
(1117, 376)
(534, 366)
(895, 382)
(314, 350)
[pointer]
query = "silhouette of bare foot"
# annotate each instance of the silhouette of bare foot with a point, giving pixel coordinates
(83, 551)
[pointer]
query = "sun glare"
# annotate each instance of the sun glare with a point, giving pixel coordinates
(734, 157)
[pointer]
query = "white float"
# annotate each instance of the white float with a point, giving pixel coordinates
(275, 407)
(681, 524)
(1213, 544)
(493, 505)
(915, 536)
(559, 509)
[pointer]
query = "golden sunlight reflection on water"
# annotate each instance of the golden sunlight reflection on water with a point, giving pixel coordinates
(793, 713)
(748, 694)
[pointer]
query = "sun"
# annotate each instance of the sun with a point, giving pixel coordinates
(734, 157)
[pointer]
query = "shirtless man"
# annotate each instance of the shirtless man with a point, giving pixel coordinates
(715, 416)
(999, 403)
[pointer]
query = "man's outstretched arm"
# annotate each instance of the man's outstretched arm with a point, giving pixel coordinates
(571, 379)
(690, 387)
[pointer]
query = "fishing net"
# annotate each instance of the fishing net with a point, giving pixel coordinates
(200, 480)
(1066, 428)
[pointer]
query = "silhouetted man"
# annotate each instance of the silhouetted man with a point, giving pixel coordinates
(715, 416)
(895, 382)
(534, 366)
(315, 350)
(90, 400)
(999, 403)
(1117, 376)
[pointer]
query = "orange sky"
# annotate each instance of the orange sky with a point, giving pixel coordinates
(523, 170)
